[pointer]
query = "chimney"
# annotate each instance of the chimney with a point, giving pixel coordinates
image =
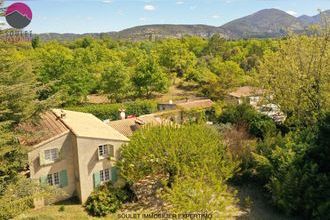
(122, 114)
(63, 114)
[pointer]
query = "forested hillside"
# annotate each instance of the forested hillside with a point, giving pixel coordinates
(288, 160)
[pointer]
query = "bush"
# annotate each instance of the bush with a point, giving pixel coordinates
(201, 193)
(258, 124)
(173, 149)
(111, 111)
(295, 170)
(107, 199)
(193, 157)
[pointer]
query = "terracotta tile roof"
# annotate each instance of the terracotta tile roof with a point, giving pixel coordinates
(195, 104)
(129, 125)
(246, 91)
(46, 127)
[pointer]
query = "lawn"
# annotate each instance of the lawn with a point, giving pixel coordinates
(72, 210)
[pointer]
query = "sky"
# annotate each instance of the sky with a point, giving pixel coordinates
(91, 16)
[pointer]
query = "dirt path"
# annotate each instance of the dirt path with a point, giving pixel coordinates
(259, 208)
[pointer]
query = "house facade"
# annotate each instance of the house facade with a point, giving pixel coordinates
(247, 93)
(73, 151)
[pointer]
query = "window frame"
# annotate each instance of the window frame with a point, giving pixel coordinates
(53, 179)
(105, 150)
(105, 175)
(51, 155)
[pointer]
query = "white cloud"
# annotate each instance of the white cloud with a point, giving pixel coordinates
(180, 2)
(149, 8)
(107, 1)
(293, 13)
(215, 16)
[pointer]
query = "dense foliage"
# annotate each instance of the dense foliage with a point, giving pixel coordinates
(107, 199)
(189, 154)
(111, 111)
(290, 160)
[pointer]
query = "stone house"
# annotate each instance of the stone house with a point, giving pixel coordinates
(73, 151)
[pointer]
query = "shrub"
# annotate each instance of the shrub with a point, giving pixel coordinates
(107, 199)
(258, 124)
(201, 193)
(102, 202)
(295, 170)
(62, 208)
(193, 157)
(173, 149)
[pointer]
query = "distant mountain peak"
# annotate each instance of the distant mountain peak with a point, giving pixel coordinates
(265, 23)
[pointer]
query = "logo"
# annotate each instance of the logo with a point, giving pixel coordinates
(18, 15)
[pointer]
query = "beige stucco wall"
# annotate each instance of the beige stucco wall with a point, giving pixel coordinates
(89, 162)
(65, 144)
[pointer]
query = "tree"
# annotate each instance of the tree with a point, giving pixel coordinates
(149, 77)
(297, 77)
(20, 194)
(216, 46)
(176, 57)
(18, 102)
(229, 75)
(192, 156)
(35, 42)
(115, 81)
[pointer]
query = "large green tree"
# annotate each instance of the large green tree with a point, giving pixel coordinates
(192, 156)
(297, 77)
(149, 77)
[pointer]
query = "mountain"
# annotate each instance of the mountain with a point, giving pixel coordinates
(262, 24)
(149, 31)
(265, 23)
(170, 30)
(306, 20)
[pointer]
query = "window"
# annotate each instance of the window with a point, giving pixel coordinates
(53, 179)
(105, 175)
(51, 155)
(105, 150)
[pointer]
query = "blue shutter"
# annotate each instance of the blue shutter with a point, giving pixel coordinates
(97, 179)
(114, 174)
(43, 180)
(63, 178)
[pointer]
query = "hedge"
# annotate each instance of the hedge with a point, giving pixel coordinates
(111, 111)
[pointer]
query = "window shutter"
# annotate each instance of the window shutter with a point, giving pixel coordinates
(42, 159)
(111, 150)
(43, 180)
(114, 174)
(63, 178)
(97, 179)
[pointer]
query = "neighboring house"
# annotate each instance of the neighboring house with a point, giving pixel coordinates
(247, 93)
(254, 96)
(72, 150)
(129, 125)
(170, 113)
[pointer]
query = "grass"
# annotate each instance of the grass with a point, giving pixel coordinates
(66, 210)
